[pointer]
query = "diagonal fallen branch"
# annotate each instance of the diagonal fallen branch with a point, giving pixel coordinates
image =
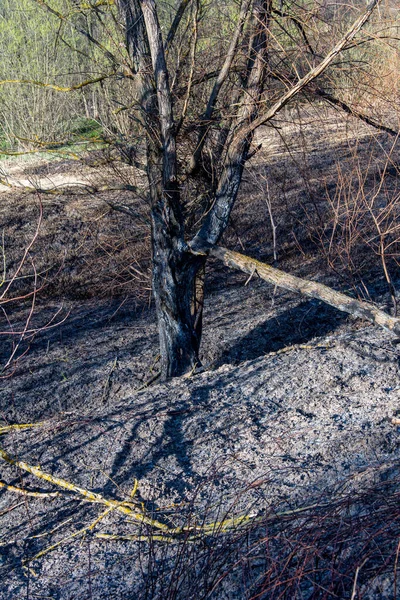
(127, 508)
(313, 289)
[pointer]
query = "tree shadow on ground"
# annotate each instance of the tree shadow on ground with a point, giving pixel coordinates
(298, 325)
(170, 445)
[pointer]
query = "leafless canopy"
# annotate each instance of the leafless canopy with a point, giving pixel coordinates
(200, 79)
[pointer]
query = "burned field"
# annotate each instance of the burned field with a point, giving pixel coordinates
(271, 474)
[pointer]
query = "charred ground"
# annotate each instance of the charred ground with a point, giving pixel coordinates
(294, 408)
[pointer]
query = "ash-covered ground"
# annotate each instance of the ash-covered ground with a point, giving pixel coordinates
(281, 418)
(271, 474)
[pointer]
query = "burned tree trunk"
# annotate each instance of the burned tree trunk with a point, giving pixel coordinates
(174, 267)
(174, 275)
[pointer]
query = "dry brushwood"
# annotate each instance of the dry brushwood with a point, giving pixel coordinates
(23, 334)
(133, 510)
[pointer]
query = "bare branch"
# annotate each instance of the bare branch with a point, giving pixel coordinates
(298, 24)
(26, 252)
(313, 74)
(160, 71)
(354, 112)
(217, 218)
(193, 47)
(127, 210)
(165, 201)
(221, 78)
(312, 289)
(86, 34)
(347, 108)
(176, 22)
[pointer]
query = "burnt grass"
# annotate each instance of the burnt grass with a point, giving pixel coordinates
(289, 425)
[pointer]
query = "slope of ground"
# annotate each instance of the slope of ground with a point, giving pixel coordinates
(309, 423)
(272, 474)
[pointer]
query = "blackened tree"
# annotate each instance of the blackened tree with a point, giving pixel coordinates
(194, 109)
(179, 257)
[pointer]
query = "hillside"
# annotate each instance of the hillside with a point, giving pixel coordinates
(279, 460)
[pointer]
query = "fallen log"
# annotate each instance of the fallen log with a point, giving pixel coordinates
(313, 289)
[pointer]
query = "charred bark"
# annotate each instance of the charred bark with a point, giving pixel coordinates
(174, 268)
(174, 276)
